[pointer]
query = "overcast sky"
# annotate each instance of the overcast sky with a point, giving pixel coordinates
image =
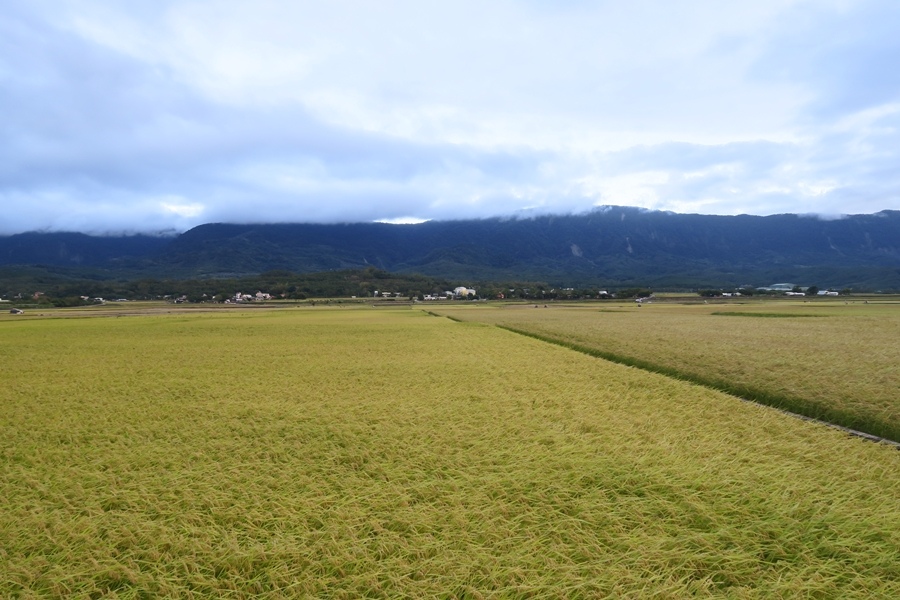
(151, 115)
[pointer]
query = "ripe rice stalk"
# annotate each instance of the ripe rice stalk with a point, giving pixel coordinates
(349, 453)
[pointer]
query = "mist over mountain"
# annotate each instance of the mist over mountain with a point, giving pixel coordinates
(608, 246)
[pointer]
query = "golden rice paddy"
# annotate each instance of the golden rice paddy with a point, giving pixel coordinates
(829, 360)
(347, 453)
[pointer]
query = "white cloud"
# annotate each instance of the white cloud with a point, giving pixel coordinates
(164, 113)
(402, 221)
(183, 209)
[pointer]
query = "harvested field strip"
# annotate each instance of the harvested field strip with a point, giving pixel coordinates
(362, 453)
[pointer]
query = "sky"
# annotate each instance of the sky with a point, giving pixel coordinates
(157, 116)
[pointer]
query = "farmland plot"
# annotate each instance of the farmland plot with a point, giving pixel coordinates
(836, 362)
(386, 453)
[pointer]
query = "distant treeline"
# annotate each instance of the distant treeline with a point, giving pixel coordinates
(62, 286)
(44, 286)
(51, 286)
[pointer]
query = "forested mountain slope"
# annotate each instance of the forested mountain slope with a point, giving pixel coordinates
(614, 244)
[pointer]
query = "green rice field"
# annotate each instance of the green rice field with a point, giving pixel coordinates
(386, 453)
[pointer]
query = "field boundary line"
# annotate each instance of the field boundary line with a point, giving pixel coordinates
(742, 393)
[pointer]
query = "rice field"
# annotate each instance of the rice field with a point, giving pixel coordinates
(385, 453)
(829, 360)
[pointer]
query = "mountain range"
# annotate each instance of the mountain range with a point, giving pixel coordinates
(608, 246)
